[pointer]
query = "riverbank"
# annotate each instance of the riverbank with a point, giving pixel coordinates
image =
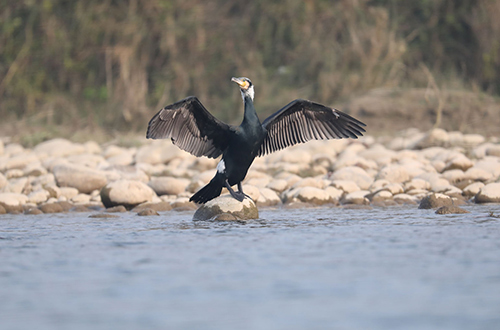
(59, 175)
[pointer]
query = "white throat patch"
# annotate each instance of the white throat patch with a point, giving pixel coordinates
(250, 92)
(221, 167)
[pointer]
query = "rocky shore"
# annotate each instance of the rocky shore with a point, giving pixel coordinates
(62, 176)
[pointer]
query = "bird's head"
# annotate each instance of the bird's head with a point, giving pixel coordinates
(246, 87)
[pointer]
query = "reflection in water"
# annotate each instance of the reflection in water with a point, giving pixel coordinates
(394, 267)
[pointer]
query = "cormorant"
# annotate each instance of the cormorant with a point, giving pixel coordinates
(193, 129)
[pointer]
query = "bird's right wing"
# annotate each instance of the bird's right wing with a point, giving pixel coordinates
(191, 127)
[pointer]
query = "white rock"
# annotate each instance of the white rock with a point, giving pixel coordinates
(13, 199)
(91, 147)
(251, 191)
(477, 174)
(454, 176)
(335, 194)
(346, 186)
(81, 199)
(127, 193)
(393, 173)
(310, 182)
(405, 199)
(490, 193)
(18, 185)
(473, 189)
(14, 173)
(38, 196)
(3, 180)
(460, 162)
(226, 207)
(354, 173)
(18, 161)
(493, 151)
(59, 148)
(80, 177)
(312, 195)
(67, 192)
(278, 185)
(159, 152)
(357, 197)
(268, 197)
(168, 185)
(381, 196)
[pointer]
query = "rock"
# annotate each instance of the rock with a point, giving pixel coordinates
(79, 208)
(59, 148)
(55, 191)
(81, 199)
(309, 182)
(435, 137)
(493, 151)
(346, 186)
(80, 177)
(278, 185)
(67, 192)
(381, 196)
(334, 193)
(14, 173)
(51, 208)
(472, 189)
(477, 174)
(405, 199)
(38, 196)
(127, 193)
(268, 197)
(460, 162)
(354, 173)
(12, 199)
(66, 206)
(183, 204)
(490, 164)
(313, 195)
(454, 176)
(158, 152)
(147, 212)
(1, 148)
(3, 181)
(103, 216)
(33, 211)
(452, 209)
(226, 204)
(18, 161)
(2, 209)
(357, 197)
(435, 201)
(168, 185)
(490, 193)
(393, 173)
(158, 207)
(91, 147)
(252, 191)
(119, 208)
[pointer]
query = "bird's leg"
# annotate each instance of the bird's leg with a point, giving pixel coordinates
(239, 196)
(240, 189)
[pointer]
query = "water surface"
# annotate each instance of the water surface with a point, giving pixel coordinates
(396, 267)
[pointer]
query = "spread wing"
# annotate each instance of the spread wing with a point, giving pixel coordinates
(191, 127)
(302, 120)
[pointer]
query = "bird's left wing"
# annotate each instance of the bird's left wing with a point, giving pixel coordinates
(302, 120)
(191, 127)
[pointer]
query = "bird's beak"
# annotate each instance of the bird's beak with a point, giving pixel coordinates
(242, 83)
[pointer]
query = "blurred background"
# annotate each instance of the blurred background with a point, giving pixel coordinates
(102, 68)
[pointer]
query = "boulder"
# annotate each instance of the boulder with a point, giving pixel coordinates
(168, 185)
(473, 189)
(158, 207)
(38, 196)
(226, 204)
(459, 162)
(278, 185)
(268, 197)
(357, 197)
(354, 173)
(51, 208)
(405, 199)
(12, 199)
(394, 173)
(59, 148)
(312, 195)
(434, 201)
(80, 177)
(18, 161)
(127, 193)
(147, 212)
(490, 193)
(452, 209)
(3, 181)
(346, 186)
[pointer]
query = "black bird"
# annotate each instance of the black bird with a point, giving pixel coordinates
(193, 129)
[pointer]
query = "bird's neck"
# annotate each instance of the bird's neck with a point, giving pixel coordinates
(250, 117)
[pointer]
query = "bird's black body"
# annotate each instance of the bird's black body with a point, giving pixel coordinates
(194, 129)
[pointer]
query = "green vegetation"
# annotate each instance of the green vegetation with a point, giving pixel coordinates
(92, 64)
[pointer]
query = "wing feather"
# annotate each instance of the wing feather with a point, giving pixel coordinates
(190, 127)
(302, 120)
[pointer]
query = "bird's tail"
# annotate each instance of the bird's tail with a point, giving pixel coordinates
(209, 192)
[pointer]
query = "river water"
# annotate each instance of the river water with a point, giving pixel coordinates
(326, 268)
